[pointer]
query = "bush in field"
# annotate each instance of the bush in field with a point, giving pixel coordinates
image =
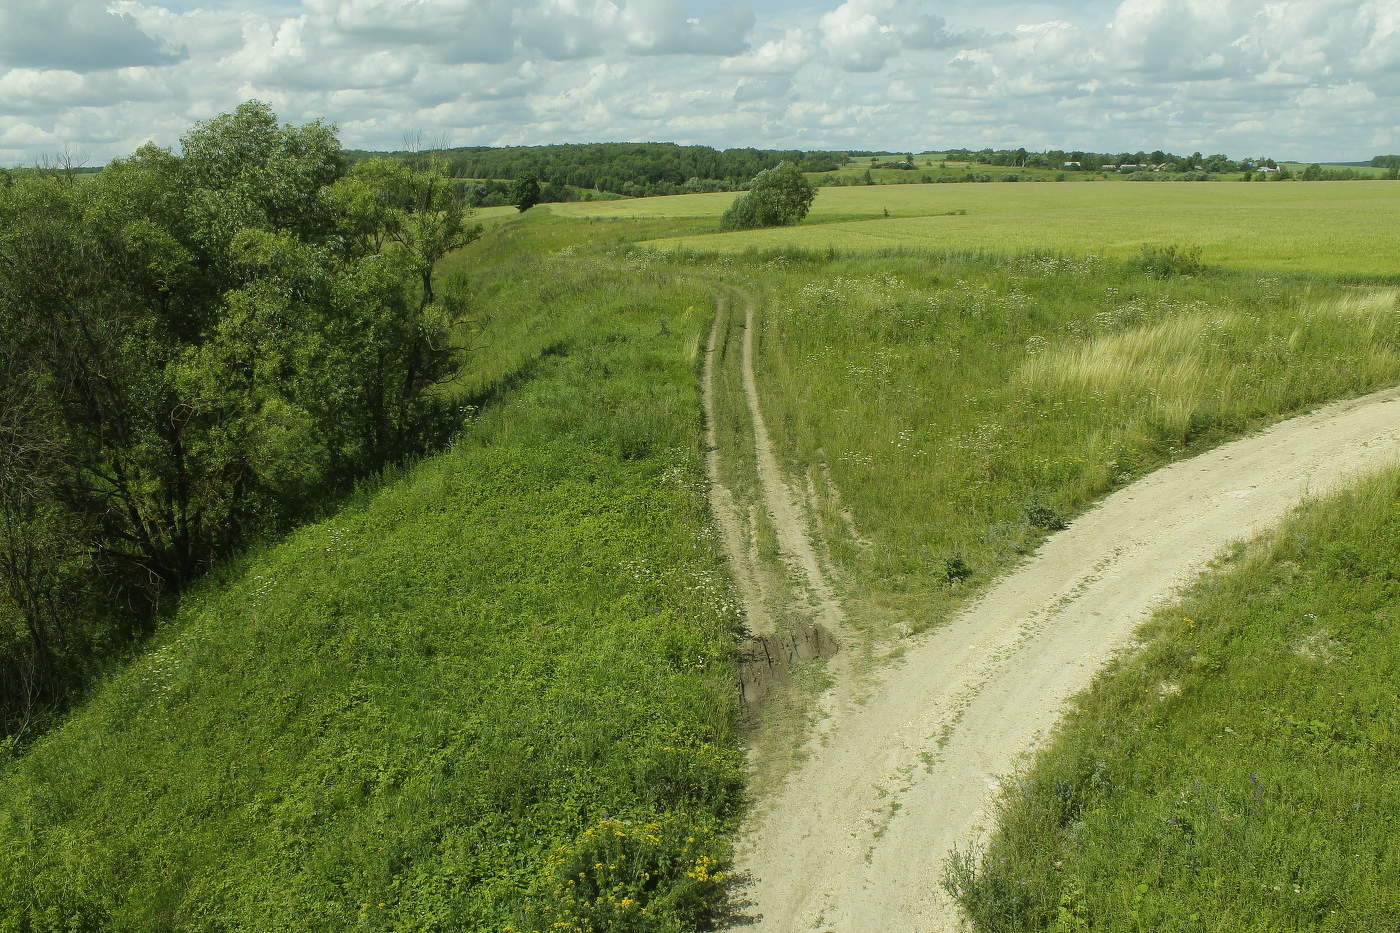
(777, 197)
(525, 193)
(1163, 262)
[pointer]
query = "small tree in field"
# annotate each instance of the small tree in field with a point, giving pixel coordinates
(777, 197)
(525, 193)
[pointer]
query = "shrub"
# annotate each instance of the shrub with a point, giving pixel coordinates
(1045, 516)
(1166, 261)
(956, 569)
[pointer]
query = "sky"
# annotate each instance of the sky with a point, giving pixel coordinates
(1304, 79)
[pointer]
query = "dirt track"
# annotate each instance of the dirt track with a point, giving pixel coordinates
(854, 841)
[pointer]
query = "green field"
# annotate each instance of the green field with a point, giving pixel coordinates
(1240, 773)
(1328, 228)
(1366, 171)
(496, 691)
(934, 169)
(967, 392)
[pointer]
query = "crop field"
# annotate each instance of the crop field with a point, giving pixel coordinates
(1326, 228)
(1239, 773)
(931, 166)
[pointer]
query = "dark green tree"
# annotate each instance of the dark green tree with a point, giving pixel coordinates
(194, 347)
(525, 193)
(777, 197)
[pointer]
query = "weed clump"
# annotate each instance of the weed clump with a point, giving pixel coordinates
(1046, 517)
(956, 570)
(1163, 262)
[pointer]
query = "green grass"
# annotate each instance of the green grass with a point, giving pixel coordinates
(1326, 228)
(946, 398)
(495, 694)
(1241, 772)
(471, 692)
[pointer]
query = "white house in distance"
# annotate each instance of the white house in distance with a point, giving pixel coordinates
(1072, 165)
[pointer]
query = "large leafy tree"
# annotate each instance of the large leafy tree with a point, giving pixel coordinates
(777, 197)
(525, 193)
(194, 346)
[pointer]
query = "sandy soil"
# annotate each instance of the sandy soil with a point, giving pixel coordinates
(855, 839)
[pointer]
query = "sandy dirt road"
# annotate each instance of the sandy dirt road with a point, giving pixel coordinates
(854, 841)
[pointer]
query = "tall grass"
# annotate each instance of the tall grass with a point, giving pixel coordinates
(1188, 368)
(1239, 772)
(953, 401)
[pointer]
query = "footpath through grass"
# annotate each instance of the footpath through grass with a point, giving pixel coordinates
(496, 694)
(959, 409)
(1241, 772)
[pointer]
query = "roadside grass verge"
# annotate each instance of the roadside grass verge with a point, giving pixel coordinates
(963, 407)
(1241, 771)
(496, 693)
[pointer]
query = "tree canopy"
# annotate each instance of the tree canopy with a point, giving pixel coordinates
(195, 345)
(777, 197)
(525, 193)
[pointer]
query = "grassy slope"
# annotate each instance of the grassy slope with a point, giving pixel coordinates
(1241, 772)
(498, 684)
(1322, 227)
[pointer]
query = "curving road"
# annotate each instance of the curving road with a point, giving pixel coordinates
(855, 839)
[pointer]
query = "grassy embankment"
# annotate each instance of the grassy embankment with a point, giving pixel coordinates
(495, 693)
(1327, 228)
(1239, 773)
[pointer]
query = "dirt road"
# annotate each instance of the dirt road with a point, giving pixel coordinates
(855, 839)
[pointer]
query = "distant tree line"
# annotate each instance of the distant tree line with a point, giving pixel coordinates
(196, 348)
(1096, 161)
(631, 169)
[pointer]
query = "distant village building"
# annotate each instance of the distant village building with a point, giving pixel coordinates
(1131, 167)
(1264, 170)
(1109, 168)
(1072, 165)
